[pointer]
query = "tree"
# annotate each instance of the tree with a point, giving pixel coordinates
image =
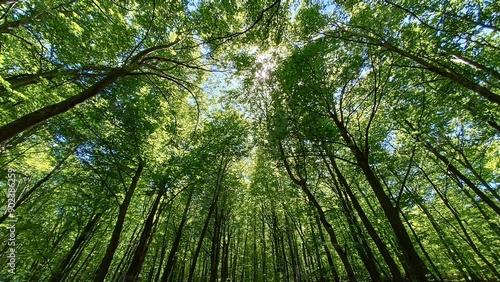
(249, 141)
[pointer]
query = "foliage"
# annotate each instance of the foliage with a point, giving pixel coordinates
(250, 140)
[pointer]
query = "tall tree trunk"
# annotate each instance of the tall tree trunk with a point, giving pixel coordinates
(163, 245)
(396, 274)
(63, 267)
(448, 244)
(360, 243)
(291, 246)
(175, 245)
(317, 254)
(264, 246)
(130, 246)
(21, 80)
(462, 177)
(223, 163)
(474, 172)
(115, 237)
(458, 79)
(37, 185)
(202, 236)
(142, 249)
(215, 248)
(85, 262)
(226, 241)
(413, 264)
(328, 227)
(329, 257)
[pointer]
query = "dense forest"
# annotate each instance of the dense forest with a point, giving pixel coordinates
(259, 140)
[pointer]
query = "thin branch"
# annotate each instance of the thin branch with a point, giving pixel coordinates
(145, 35)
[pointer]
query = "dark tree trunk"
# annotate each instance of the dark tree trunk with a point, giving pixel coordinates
(142, 249)
(37, 185)
(465, 179)
(175, 245)
(115, 237)
(224, 275)
(19, 125)
(63, 267)
(413, 264)
(202, 236)
(396, 274)
(329, 257)
(322, 217)
(215, 248)
(458, 79)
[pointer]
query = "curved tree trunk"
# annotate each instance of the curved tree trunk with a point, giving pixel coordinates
(19, 125)
(322, 217)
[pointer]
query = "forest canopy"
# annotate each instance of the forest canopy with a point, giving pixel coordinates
(260, 140)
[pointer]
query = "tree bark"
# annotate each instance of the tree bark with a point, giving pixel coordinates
(328, 227)
(63, 267)
(37, 185)
(175, 245)
(142, 249)
(413, 264)
(396, 274)
(465, 179)
(329, 258)
(202, 236)
(19, 125)
(115, 237)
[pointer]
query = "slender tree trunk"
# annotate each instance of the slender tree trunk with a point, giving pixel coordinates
(448, 244)
(235, 254)
(483, 181)
(278, 255)
(175, 245)
(255, 259)
(218, 184)
(413, 264)
(396, 274)
(142, 249)
(63, 267)
(85, 263)
(264, 247)
(360, 243)
(215, 249)
(426, 254)
(317, 254)
(119, 270)
(461, 80)
(163, 246)
(37, 185)
(462, 177)
(115, 237)
(328, 227)
(202, 236)
(333, 238)
(225, 253)
(286, 271)
(18, 81)
(291, 246)
(329, 258)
